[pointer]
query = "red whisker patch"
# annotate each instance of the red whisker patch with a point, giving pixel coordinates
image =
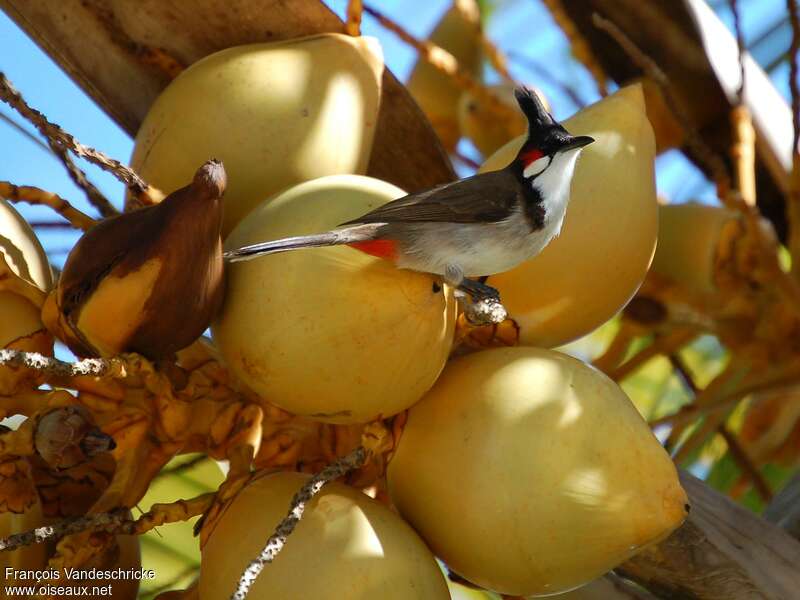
(381, 248)
(530, 156)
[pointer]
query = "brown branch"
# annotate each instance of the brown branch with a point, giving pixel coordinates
(33, 360)
(275, 544)
(354, 11)
(110, 521)
(172, 512)
(61, 142)
(37, 196)
(79, 178)
(117, 521)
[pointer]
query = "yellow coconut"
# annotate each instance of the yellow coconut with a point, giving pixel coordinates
(331, 333)
(688, 239)
(276, 114)
(347, 547)
(458, 32)
(20, 324)
(529, 472)
(486, 127)
(598, 262)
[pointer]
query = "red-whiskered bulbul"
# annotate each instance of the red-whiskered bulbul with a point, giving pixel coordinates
(478, 226)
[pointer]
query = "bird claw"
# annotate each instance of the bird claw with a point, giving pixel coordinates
(454, 277)
(485, 311)
(479, 291)
(484, 307)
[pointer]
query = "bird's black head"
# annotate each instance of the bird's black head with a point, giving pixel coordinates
(546, 136)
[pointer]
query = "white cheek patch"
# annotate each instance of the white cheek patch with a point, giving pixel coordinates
(536, 167)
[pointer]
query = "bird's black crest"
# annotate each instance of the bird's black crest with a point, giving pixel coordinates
(533, 108)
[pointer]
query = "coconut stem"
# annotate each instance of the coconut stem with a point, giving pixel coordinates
(104, 521)
(277, 540)
(117, 521)
(743, 153)
(33, 360)
(35, 195)
(62, 142)
(354, 12)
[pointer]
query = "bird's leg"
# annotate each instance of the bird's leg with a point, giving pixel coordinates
(485, 307)
(477, 290)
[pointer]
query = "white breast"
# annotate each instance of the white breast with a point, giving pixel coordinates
(553, 186)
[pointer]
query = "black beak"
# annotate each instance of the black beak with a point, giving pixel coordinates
(576, 142)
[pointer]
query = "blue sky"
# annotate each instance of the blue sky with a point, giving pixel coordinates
(521, 27)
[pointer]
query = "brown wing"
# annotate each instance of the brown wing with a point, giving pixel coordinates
(488, 197)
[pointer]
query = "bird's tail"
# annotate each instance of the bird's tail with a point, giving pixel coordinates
(330, 238)
(337, 237)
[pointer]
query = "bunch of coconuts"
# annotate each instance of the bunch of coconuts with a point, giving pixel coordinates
(524, 470)
(24, 263)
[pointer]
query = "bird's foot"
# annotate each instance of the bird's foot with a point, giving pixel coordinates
(486, 311)
(485, 307)
(477, 290)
